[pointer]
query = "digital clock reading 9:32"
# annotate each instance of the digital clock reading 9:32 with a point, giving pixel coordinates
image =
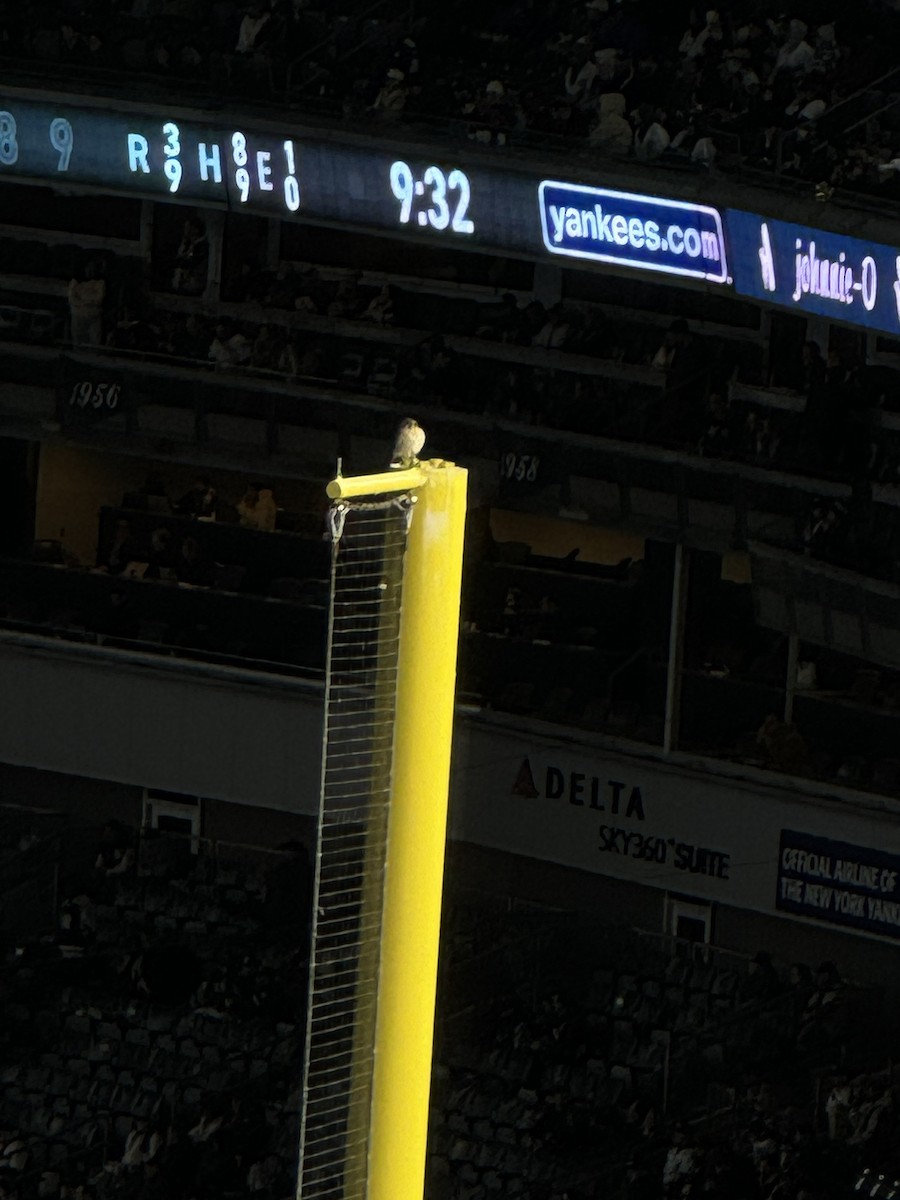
(438, 199)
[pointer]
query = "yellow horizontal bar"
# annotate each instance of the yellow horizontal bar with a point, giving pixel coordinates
(372, 485)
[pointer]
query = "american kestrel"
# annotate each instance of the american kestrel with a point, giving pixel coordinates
(408, 445)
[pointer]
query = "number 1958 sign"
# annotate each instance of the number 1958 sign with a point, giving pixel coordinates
(519, 468)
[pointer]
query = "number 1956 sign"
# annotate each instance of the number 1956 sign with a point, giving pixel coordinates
(84, 401)
(88, 394)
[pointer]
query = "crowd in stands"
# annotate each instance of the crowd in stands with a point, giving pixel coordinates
(799, 91)
(577, 365)
(506, 353)
(838, 724)
(652, 1072)
(152, 1042)
(210, 575)
(572, 366)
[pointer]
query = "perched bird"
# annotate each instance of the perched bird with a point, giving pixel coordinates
(409, 442)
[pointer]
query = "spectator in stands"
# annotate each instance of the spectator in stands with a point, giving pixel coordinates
(258, 32)
(822, 1019)
(142, 1144)
(717, 439)
(161, 559)
(436, 371)
(680, 1164)
(761, 981)
(229, 347)
(192, 567)
(665, 356)
(189, 276)
(266, 511)
(813, 367)
(199, 500)
(392, 96)
(555, 331)
(800, 988)
(827, 52)
(349, 300)
(86, 299)
(72, 46)
(212, 1118)
(134, 332)
(190, 340)
(97, 50)
(534, 318)
(581, 73)
(760, 439)
(873, 1121)
(14, 1153)
(381, 308)
(247, 506)
(70, 938)
(491, 115)
(502, 321)
(784, 746)
(252, 27)
(286, 287)
(651, 138)
(248, 285)
(115, 853)
(696, 37)
(796, 55)
(28, 839)
(823, 533)
(266, 349)
(264, 1175)
(694, 142)
(294, 357)
(837, 1110)
(611, 133)
(125, 548)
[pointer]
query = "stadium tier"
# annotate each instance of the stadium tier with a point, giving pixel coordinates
(638, 272)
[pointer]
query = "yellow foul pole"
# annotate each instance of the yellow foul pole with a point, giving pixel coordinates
(429, 629)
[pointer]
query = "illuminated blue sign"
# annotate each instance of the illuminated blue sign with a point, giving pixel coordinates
(842, 884)
(675, 237)
(812, 271)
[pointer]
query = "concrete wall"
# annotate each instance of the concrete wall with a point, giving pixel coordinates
(148, 721)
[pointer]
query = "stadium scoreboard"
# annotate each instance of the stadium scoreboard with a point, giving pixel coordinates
(446, 200)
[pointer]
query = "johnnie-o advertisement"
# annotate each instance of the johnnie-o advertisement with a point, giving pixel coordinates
(815, 271)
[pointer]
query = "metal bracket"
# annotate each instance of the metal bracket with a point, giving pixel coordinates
(337, 517)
